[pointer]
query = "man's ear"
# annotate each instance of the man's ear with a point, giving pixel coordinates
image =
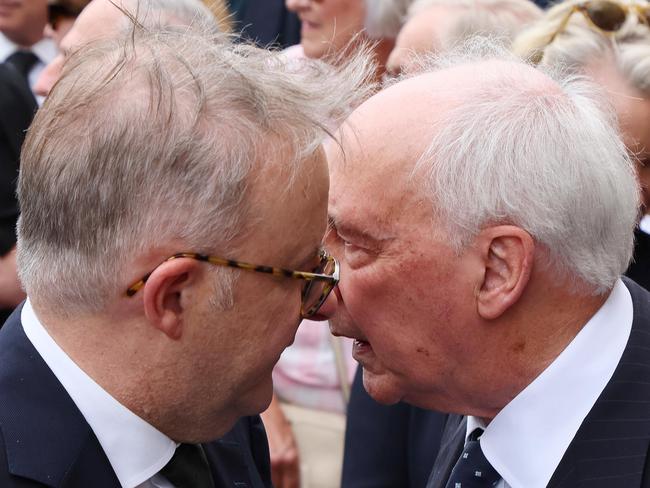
(507, 254)
(163, 293)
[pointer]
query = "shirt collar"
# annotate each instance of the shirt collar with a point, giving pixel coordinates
(527, 439)
(45, 49)
(135, 449)
(6, 47)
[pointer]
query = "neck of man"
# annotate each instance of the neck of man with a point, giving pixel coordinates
(527, 340)
(25, 38)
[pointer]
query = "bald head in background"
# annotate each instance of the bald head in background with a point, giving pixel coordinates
(102, 19)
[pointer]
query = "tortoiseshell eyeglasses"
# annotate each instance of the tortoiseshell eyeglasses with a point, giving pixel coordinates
(318, 283)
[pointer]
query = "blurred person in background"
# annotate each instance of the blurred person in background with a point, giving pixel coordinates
(22, 41)
(610, 42)
(435, 26)
(265, 22)
(101, 19)
(24, 52)
(329, 27)
(61, 14)
(306, 422)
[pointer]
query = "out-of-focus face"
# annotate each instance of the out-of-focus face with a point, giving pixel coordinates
(421, 34)
(23, 21)
(234, 351)
(327, 25)
(57, 33)
(99, 20)
(633, 111)
(404, 295)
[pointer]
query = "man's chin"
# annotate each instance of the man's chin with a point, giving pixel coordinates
(381, 388)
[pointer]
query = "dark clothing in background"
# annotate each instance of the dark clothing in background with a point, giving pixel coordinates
(17, 108)
(639, 269)
(388, 446)
(266, 22)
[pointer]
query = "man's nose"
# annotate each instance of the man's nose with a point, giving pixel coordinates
(328, 308)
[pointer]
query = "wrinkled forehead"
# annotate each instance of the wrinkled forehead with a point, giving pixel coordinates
(380, 144)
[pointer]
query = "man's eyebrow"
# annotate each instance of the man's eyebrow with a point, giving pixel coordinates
(349, 230)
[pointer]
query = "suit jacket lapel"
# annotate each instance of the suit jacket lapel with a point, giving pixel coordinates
(451, 447)
(45, 436)
(611, 445)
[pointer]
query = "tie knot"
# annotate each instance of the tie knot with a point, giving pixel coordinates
(475, 435)
(23, 61)
(473, 470)
(188, 468)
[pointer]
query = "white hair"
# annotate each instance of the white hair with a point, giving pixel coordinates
(384, 18)
(155, 141)
(579, 44)
(489, 18)
(534, 149)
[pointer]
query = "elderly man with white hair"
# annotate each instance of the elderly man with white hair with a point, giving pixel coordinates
(173, 191)
(481, 260)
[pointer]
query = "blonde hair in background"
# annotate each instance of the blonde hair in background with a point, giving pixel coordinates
(579, 43)
(221, 13)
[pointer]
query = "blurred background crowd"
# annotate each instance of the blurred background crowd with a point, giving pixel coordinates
(318, 389)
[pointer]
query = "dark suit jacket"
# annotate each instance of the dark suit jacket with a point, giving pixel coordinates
(45, 441)
(266, 22)
(388, 446)
(611, 447)
(17, 107)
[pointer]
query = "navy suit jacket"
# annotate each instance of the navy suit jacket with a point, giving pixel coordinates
(610, 449)
(45, 440)
(388, 446)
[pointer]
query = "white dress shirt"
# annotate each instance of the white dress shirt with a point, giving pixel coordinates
(45, 50)
(527, 439)
(135, 449)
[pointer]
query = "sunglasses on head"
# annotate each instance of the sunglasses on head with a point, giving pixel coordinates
(59, 11)
(604, 15)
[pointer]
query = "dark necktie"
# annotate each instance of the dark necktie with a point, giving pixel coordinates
(23, 61)
(473, 470)
(188, 468)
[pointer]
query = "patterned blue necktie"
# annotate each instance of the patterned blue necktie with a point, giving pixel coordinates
(473, 470)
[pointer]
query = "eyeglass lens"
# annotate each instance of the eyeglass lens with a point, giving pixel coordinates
(314, 290)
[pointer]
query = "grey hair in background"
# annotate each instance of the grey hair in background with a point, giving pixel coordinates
(534, 149)
(488, 18)
(151, 144)
(579, 44)
(175, 13)
(384, 18)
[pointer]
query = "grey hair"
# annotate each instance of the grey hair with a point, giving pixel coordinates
(171, 13)
(579, 44)
(384, 18)
(488, 18)
(534, 149)
(151, 144)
